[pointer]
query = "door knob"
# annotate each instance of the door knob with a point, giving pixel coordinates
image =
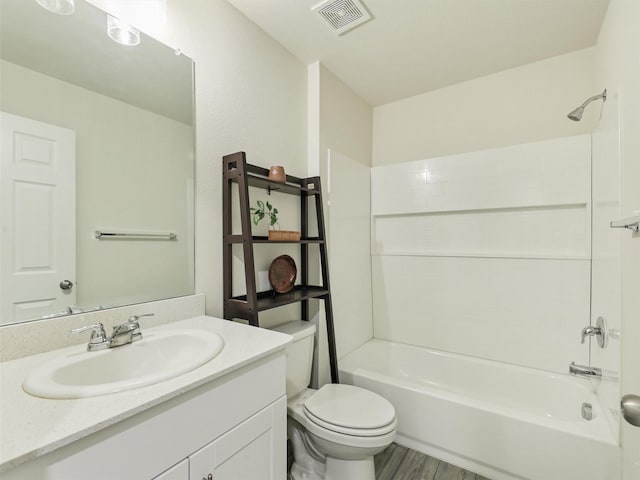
(631, 409)
(66, 285)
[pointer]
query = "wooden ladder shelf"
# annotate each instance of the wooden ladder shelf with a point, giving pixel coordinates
(237, 170)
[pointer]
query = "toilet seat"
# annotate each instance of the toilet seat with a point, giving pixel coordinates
(357, 432)
(350, 410)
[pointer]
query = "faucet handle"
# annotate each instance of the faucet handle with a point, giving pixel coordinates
(134, 326)
(135, 318)
(587, 332)
(98, 335)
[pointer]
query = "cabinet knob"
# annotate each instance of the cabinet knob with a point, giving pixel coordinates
(208, 477)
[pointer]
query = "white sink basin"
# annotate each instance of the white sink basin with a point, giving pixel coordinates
(158, 356)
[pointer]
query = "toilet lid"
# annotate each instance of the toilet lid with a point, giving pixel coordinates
(350, 407)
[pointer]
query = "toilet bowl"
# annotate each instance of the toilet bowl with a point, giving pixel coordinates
(337, 429)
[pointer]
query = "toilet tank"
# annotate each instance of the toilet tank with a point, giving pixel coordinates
(299, 355)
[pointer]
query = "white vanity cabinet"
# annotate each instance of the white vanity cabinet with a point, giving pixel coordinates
(177, 472)
(244, 453)
(233, 427)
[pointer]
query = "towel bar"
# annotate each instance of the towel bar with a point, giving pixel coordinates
(100, 235)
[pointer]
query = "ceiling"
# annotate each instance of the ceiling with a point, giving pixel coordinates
(413, 46)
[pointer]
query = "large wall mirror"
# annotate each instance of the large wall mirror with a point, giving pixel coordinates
(97, 163)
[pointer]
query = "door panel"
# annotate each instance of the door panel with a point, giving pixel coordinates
(177, 472)
(37, 218)
(254, 450)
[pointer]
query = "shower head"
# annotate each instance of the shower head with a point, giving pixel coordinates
(576, 115)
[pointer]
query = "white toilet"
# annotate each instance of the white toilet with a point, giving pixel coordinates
(336, 430)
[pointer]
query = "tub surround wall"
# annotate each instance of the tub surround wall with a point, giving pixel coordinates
(349, 251)
(486, 253)
(606, 265)
(617, 67)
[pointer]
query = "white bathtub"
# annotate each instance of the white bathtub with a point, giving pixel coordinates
(502, 421)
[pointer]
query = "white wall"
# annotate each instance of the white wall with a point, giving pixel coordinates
(117, 152)
(618, 68)
(340, 152)
(345, 146)
(250, 95)
(345, 119)
(519, 105)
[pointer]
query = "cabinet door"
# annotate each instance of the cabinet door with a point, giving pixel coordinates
(179, 471)
(254, 450)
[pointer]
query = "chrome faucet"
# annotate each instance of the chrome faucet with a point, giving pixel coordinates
(98, 339)
(599, 331)
(585, 371)
(122, 334)
(589, 332)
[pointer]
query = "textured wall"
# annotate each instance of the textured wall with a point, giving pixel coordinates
(523, 104)
(250, 95)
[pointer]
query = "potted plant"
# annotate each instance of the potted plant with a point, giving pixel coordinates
(267, 210)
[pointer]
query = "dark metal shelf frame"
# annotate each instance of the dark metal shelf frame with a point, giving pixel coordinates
(237, 170)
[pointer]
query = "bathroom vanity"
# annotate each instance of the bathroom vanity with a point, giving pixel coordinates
(225, 419)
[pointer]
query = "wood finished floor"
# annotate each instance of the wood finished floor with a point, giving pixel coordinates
(402, 463)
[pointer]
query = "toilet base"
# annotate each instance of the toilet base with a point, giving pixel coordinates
(300, 473)
(337, 469)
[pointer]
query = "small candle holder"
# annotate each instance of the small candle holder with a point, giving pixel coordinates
(276, 174)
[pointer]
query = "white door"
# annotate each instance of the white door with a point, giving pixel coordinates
(37, 218)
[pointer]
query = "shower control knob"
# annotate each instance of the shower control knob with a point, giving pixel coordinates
(631, 409)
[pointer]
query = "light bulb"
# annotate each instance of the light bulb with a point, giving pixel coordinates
(122, 32)
(61, 7)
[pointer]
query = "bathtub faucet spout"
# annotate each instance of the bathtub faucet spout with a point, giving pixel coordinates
(585, 371)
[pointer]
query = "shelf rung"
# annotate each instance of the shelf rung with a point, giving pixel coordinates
(234, 239)
(302, 240)
(262, 239)
(271, 186)
(268, 300)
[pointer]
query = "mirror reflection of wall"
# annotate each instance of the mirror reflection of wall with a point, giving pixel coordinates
(130, 110)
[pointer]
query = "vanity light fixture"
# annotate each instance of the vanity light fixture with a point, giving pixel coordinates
(147, 15)
(122, 32)
(61, 7)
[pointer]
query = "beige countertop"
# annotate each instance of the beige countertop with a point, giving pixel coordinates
(32, 426)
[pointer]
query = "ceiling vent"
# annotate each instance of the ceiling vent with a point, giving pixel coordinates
(342, 15)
